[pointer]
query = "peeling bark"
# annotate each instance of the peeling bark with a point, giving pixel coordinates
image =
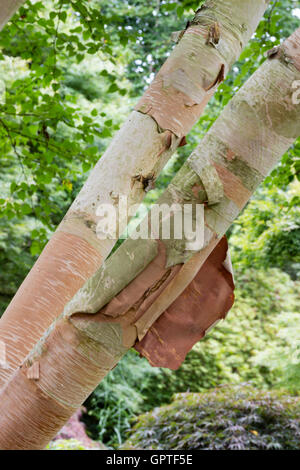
(76, 355)
(136, 155)
(255, 128)
(206, 300)
(220, 30)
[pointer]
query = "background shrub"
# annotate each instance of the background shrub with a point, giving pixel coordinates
(257, 343)
(228, 418)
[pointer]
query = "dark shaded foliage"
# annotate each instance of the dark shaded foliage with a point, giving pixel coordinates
(227, 418)
(257, 343)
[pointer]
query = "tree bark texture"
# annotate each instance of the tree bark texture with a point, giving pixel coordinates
(175, 100)
(8, 9)
(101, 324)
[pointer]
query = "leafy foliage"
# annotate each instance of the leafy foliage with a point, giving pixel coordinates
(66, 444)
(267, 234)
(46, 136)
(227, 418)
(285, 358)
(118, 398)
(72, 70)
(52, 123)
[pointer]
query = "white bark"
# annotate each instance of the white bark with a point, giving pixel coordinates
(8, 9)
(138, 149)
(239, 151)
(165, 114)
(243, 145)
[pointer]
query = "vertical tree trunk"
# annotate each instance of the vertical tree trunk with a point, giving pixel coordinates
(7, 9)
(247, 140)
(173, 103)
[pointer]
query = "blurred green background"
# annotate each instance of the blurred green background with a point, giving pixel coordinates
(72, 72)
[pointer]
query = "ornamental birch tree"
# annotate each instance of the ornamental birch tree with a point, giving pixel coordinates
(211, 43)
(100, 324)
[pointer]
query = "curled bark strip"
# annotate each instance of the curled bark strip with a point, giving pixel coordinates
(141, 292)
(186, 274)
(214, 34)
(8, 8)
(183, 86)
(220, 78)
(183, 142)
(204, 302)
(274, 52)
(210, 179)
(169, 142)
(131, 259)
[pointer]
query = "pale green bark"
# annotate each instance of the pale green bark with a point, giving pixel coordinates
(256, 127)
(138, 149)
(148, 138)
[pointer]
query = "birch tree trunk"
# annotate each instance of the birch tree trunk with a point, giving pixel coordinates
(8, 9)
(241, 148)
(175, 100)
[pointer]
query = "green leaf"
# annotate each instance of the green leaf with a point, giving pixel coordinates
(25, 209)
(113, 88)
(180, 11)
(13, 187)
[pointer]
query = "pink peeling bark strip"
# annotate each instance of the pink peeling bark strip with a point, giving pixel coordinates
(81, 350)
(32, 410)
(205, 301)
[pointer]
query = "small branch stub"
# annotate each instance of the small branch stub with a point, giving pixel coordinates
(272, 53)
(148, 182)
(214, 34)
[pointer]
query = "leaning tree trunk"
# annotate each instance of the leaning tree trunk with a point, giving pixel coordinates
(175, 100)
(244, 144)
(7, 9)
